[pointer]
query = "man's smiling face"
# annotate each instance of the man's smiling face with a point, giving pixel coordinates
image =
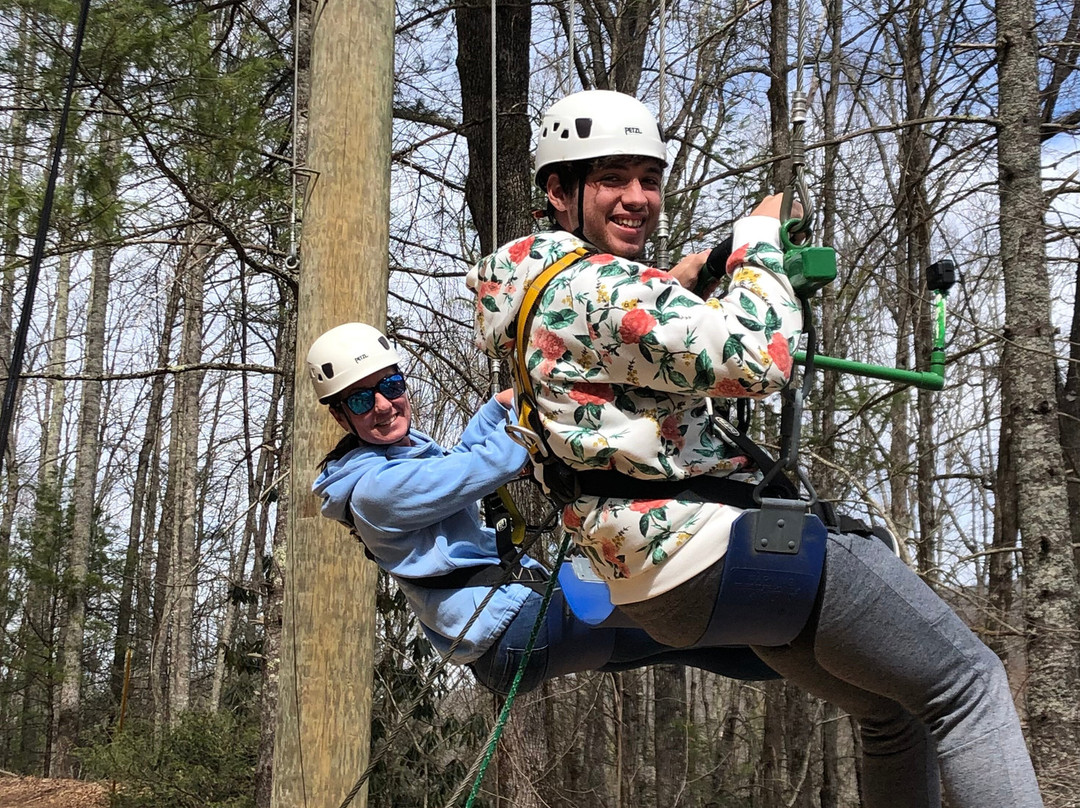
(622, 204)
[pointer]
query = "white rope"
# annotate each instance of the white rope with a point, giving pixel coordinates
(663, 255)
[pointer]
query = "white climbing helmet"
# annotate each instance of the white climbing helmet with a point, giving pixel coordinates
(344, 355)
(596, 123)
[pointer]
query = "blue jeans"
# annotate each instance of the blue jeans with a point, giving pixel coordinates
(565, 645)
(933, 703)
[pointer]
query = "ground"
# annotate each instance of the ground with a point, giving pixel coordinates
(31, 792)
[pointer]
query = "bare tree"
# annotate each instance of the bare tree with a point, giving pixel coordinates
(1050, 593)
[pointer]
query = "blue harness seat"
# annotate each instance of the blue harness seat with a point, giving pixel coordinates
(772, 571)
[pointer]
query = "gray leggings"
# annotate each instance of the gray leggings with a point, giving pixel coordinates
(927, 693)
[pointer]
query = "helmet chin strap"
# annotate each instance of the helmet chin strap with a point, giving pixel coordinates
(579, 231)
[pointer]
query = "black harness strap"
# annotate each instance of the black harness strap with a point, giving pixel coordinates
(508, 571)
(486, 575)
(614, 484)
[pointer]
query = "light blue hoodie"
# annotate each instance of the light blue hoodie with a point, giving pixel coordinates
(417, 510)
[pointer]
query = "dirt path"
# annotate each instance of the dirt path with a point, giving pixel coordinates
(31, 792)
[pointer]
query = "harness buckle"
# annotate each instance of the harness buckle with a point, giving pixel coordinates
(778, 526)
(527, 439)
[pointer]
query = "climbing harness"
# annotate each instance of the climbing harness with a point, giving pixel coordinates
(558, 478)
(506, 576)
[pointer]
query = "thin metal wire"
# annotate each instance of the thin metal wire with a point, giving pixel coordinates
(293, 218)
(494, 132)
(571, 45)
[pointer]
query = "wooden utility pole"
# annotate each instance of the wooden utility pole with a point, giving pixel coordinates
(329, 614)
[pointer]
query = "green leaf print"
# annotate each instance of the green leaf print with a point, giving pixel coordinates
(771, 263)
(625, 403)
(643, 524)
(489, 303)
(750, 325)
(535, 358)
(562, 318)
(677, 378)
(645, 469)
(606, 454)
(668, 470)
(772, 322)
(734, 347)
(658, 555)
(704, 377)
(663, 299)
(645, 352)
(748, 305)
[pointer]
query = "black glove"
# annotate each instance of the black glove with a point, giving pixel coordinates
(715, 266)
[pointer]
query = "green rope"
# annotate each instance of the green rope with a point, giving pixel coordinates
(496, 732)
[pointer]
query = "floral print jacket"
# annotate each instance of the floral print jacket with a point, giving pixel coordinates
(622, 359)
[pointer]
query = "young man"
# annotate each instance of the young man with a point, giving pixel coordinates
(622, 359)
(413, 504)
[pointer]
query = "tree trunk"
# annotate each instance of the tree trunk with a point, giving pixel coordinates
(1050, 591)
(1069, 413)
(141, 530)
(670, 735)
(777, 95)
(271, 568)
(829, 794)
(913, 219)
(83, 493)
(184, 458)
(770, 792)
(513, 33)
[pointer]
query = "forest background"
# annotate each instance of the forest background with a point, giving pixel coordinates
(140, 518)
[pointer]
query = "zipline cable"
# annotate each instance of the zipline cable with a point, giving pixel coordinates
(18, 348)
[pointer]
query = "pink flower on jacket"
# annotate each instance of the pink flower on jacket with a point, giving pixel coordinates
(646, 505)
(780, 353)
(653, 272)
(635, 324)
(550, 344)
(611, 555)
(590, 393)
(601, 258)
(570, 519)
(736, 259)
(518, 250)
(726, 388)
(670, 431)
(489, 289)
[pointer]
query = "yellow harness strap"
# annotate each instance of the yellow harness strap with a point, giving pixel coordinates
(526, 396)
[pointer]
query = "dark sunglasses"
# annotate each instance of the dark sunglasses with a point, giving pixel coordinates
(362, 400)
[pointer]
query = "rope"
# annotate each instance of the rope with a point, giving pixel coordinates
(571, 46)
(479, 767)
(444, 660)
(18, 348)
(494, 132)
(292, 262)
(663, 254)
